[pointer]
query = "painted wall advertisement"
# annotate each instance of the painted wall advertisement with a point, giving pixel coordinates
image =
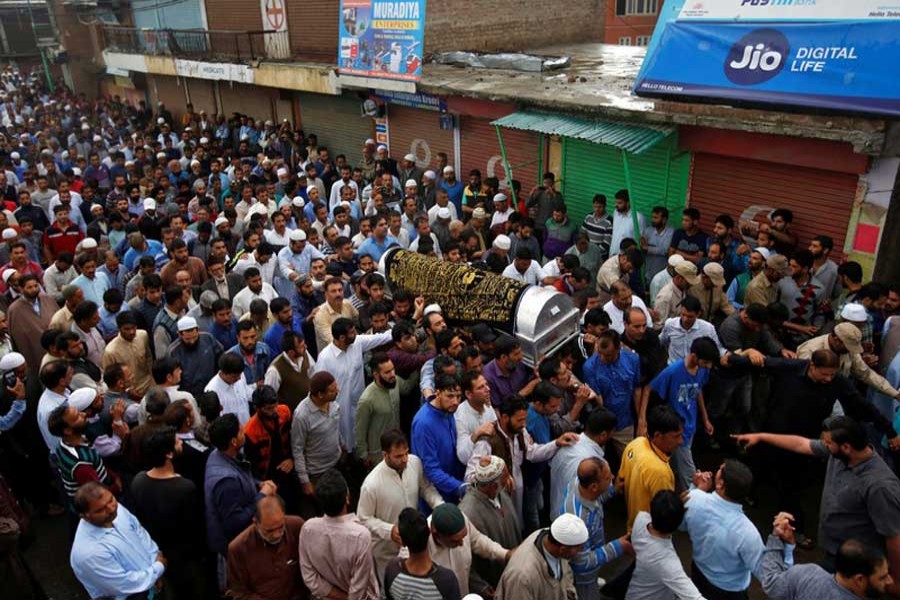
(828, 54)
(382, 38)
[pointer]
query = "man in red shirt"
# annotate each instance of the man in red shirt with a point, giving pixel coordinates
(62, 235)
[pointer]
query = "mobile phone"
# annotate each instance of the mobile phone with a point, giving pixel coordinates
(10, 379)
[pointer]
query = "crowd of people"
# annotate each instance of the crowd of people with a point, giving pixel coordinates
(205, 372)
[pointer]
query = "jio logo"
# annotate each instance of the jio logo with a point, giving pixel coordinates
(757, 57)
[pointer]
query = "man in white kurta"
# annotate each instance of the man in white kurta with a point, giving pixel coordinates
(397, 482)
(343, 358)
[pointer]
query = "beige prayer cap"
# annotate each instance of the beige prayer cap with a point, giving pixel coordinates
(489, 469)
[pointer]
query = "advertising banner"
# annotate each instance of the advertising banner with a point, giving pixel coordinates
(829, 65)
(215, 71)
(789, 10)
(382, 38)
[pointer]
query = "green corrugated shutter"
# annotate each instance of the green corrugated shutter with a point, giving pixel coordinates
(658, 176)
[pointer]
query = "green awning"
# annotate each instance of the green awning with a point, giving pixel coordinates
(625, 136)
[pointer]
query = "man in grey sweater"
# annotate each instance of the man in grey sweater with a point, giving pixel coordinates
(861, 571)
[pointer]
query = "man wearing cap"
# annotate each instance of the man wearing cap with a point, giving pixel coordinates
(198, 353)
(710, 290)
(763, 289)
(294, 260)
(453, 187)
(500, 216)
(846, 342)
(12, 362)
(668, 301)
(489, 507)
(539, 569)
(410, 171)
(737, 289)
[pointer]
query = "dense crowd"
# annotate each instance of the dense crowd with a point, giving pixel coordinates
(206, 373)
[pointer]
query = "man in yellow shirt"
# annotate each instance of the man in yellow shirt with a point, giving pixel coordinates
(645, 466)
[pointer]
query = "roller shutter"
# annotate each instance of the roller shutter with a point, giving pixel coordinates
(169, 91)
(821, 200)
(659, 176)
(480, 149)
(338, 123)
(313, 27)
(418, 131)
(250, 100)
(203, 96)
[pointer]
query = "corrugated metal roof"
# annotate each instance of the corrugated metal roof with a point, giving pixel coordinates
(625, 136)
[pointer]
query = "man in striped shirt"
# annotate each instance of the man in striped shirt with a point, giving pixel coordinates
(599, 225)
(418, 577)
(76, 461)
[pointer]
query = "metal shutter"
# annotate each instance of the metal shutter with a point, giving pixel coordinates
(338, 123)
(480, 149)
(169, 91)
(203, 96)
(658, 177)
(417, 131)
(251, 100)
(821, 200)
(313, 27)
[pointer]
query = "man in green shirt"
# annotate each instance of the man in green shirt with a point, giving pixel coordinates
(378, 409)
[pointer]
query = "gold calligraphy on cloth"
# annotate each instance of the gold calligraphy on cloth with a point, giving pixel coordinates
(463, 293)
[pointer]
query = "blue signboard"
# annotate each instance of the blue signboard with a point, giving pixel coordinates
(832, 65)
(382, 38)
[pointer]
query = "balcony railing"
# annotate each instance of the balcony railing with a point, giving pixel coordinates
(200, 44)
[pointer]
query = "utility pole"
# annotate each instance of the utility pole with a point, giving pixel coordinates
(41, 49)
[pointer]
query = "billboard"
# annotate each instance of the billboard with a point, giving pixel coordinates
(827, 64)
(381, 38)
(789, 10)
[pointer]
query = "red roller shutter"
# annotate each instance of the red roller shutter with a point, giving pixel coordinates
(821, 200)
(480, 150)
(417, 131)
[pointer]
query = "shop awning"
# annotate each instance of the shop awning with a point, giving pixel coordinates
(624, 136)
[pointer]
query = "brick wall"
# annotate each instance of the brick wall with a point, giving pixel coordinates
(497, 25)
(628, 26)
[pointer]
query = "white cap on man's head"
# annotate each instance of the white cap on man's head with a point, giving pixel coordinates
(187, 323)
(82, 398)
(297, 235)
(411, 183)
(221, 221)
(502, 242)
(569, 530)
(149, 204)
(854, 312)
(9, 234)
(448, 169)
(432, 308)
(11, 360)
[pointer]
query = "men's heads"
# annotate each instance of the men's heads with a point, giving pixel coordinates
(269, 519)
(96, 504)
(665, 428)
(863, 568)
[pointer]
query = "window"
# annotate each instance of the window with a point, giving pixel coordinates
(625, 41)
(642, 40)
(637, 7)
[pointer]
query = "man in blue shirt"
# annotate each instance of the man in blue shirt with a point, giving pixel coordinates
(727, 545)
(113, 556)
(434, 439)
(680, 385)
(140, 246)
(379, 241)
(615, 375)
(285, 320)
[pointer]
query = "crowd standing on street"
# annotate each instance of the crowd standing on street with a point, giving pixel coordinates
(206, 373)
